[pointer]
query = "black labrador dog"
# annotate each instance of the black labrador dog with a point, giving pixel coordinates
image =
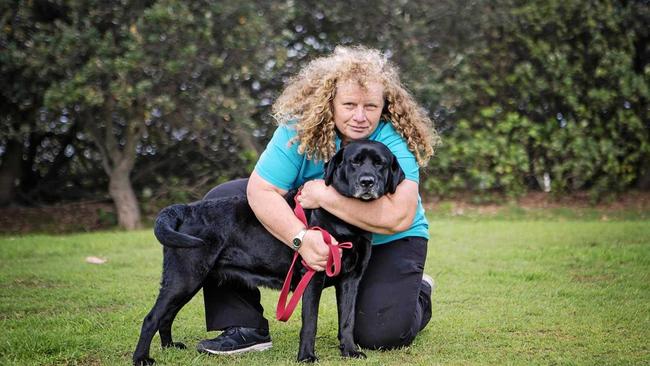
(221, 240)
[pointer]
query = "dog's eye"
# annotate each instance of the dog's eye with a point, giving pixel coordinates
(378, 163)
(355, 162)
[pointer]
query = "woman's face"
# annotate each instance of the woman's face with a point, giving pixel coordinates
(357, 110)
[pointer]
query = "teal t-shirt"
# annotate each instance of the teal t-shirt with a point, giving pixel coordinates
(285, 168)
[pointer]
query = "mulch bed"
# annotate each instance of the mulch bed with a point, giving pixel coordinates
(633, 200)
(63, 218)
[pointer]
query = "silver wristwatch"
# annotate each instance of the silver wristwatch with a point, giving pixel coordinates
(297, 240)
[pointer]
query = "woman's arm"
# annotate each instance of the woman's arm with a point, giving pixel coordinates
(272, 210)
(389, 214)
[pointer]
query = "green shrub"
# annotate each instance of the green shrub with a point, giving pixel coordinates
(553, 97)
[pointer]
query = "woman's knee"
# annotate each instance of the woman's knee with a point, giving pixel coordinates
(384, 335)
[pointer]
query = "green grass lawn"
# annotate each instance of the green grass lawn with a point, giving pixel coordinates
(510, 291)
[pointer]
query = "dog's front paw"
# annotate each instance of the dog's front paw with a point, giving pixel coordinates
(311, 358)
(143, 361)
(353, 354)
(178, 345)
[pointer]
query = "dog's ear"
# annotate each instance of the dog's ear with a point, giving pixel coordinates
(395, 175)
(331, 165)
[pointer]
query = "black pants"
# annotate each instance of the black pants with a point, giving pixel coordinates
(393, 304)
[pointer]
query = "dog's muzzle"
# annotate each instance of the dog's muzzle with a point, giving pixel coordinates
(365, 188)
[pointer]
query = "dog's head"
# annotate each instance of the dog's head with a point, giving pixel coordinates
(364, 169)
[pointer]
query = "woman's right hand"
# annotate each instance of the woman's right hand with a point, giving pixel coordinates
(314, 251)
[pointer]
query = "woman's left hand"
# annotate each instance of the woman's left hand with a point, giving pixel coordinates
(311, 193)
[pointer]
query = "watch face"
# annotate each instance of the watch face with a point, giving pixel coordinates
(296, 242)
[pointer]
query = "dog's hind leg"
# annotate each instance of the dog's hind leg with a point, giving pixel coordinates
(346, 297)
(171, 298)
(165, 329)
(310, 301)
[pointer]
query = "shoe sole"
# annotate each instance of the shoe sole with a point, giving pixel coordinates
(259, 347)
(430, 281)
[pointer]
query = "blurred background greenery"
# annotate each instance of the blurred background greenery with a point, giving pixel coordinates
(150, 102)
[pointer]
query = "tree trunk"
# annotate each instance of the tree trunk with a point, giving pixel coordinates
(10, 171)
(643, 182)
(118, 162)
(126, 204)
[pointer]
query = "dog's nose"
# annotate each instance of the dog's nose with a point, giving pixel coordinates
(367, 181)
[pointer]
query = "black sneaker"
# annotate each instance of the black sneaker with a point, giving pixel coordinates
(237, 340)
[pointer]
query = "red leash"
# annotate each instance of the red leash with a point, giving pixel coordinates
(333, 267)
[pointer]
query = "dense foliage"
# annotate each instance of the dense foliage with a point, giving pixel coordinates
(165, 99)
(553, 96)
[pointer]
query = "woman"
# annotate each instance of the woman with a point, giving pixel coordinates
(352, 94)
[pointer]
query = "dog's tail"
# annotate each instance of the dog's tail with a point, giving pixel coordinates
(166, 228)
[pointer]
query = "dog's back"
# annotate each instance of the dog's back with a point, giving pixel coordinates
(244, 251)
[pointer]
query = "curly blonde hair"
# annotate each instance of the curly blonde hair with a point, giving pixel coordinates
(307, 100)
